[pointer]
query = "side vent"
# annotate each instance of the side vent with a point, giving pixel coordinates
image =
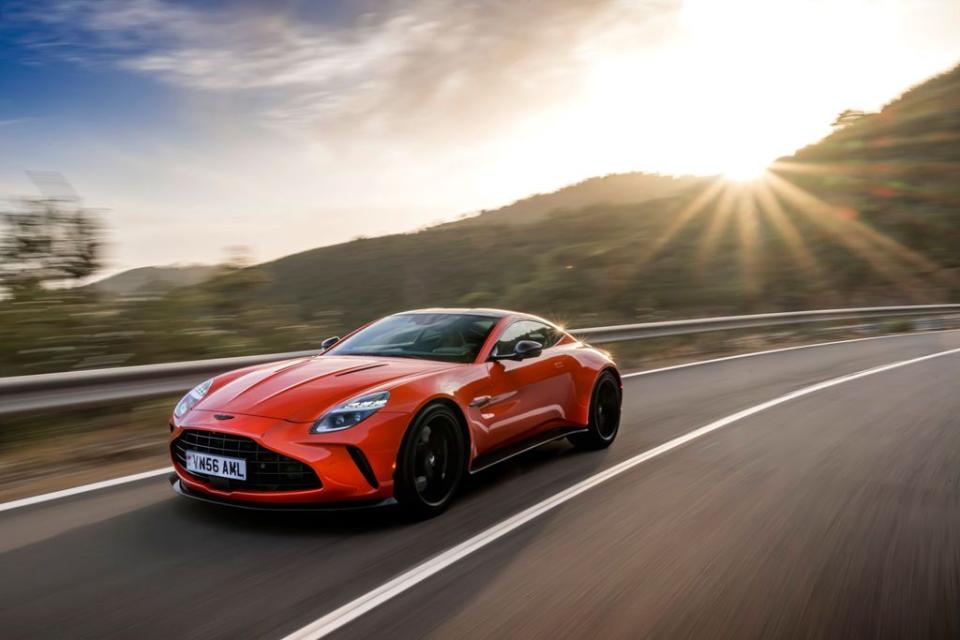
(363, 465)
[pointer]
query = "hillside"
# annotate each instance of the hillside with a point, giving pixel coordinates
(898, 170)
(613, 189)
(866, 216)
(153, 280)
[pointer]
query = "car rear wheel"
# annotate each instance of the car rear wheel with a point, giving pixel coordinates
(431, 462)
(604, 414)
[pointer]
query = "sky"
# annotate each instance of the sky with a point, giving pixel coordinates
(284, 125)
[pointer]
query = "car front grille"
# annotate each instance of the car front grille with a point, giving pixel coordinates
(266, 470)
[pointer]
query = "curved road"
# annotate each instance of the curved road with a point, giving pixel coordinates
(836, 513)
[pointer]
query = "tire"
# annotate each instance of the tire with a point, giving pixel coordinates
(604, 414)
(431, 462)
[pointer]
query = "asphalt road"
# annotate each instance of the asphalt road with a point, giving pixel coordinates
(836, 514)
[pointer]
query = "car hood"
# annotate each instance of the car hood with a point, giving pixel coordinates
(304, 389)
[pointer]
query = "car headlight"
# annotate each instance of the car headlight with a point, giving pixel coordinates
(190, 400)
(350, 413)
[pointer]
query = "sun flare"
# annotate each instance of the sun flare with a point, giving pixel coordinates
(745, 170)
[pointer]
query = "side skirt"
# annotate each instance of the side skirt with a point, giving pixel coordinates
(487, 460)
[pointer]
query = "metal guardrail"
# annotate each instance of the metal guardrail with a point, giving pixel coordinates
(95, 387)
(618, 333)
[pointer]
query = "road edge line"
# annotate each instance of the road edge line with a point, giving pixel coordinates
(84, 488)
(798, 347)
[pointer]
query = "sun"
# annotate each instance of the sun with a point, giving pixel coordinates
(745, 169)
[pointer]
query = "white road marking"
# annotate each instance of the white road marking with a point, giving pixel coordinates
(355, 608)
(94, 486)
(780, 350)
(84, 488)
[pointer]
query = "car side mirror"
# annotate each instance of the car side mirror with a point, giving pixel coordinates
(329, 342)
(527, 349)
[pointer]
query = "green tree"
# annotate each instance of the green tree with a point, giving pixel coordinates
(48, 239)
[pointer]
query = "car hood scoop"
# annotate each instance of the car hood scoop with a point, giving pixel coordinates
(301, 390)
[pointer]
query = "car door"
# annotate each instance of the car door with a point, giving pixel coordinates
(525, 396)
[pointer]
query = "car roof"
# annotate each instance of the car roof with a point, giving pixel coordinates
(496, 313)
(481, 311)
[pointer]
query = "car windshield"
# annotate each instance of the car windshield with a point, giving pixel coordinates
(450, 337)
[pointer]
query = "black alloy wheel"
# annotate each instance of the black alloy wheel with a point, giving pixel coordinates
(431, 462)
(604, 414)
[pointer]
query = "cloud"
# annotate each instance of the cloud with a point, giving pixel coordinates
(289, 123)
(423, 65)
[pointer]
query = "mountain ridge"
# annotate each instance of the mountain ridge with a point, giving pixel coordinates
(843, 221)
(153, 280)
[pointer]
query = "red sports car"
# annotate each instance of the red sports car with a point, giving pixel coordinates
(399, 411)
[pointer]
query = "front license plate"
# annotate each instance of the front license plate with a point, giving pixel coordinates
(233, 468)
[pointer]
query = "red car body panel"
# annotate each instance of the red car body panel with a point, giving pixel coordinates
(502, 402)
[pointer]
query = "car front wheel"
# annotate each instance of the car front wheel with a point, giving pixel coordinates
(431, 462)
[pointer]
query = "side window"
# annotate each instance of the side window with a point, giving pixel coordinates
(526, 330)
